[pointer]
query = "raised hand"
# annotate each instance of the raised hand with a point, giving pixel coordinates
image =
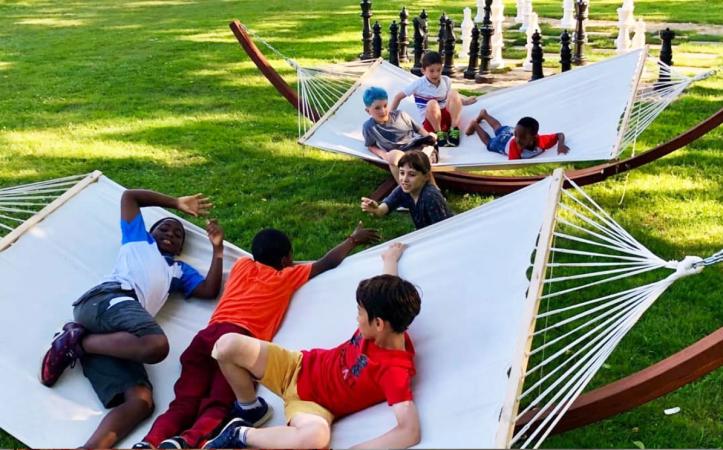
(195, 205)
(394, 252)
(368, 205)
(215, 233)
(563, 149)
(362, 235)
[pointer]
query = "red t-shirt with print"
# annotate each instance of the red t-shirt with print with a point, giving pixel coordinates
(542, 142)
(357, 374)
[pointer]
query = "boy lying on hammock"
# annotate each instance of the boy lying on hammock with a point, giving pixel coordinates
(318, 385)
(115, 333)
(388, 134)
(522, 142)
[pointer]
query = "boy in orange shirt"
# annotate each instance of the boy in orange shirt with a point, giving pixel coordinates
(255, 299)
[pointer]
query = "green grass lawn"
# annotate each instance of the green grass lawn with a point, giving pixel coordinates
(158, 94)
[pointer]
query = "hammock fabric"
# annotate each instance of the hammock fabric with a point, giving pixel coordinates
(472, 337)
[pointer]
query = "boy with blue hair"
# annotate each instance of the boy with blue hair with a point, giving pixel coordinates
(388, 134)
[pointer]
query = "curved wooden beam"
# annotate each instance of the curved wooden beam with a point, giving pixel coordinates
(467, 182)
(686, 366)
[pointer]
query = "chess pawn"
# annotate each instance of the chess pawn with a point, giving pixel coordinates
(639, 37)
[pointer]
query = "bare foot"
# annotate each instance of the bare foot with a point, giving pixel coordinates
(473, 124)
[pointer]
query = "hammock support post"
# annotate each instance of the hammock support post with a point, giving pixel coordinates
(530, 309)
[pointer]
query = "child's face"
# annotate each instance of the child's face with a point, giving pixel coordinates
(367, 330)
(411, 180)
(433, 72)
(169, 237)
(524, 138)
(379, 110)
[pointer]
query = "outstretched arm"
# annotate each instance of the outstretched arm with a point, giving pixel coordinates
(211, 286)
(391, 258)
(396, 101)
(406, 434)
(337, 254)
(373, 207)
(133, 200)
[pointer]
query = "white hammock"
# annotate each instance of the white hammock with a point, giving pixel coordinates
(473, 337)
(601, 108)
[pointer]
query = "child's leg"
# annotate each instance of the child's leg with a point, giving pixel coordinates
(454, 106)
(149, 349)
(304, 431)
(433, 115)
(241, 359)
(121, 420)
(483, 115)
(482, 134)
(197, 371)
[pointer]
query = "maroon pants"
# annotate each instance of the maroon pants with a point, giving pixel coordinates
(203, 396)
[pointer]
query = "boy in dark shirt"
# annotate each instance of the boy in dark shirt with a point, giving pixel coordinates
(416, 192)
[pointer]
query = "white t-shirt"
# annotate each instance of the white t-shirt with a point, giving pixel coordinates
(140, 266)
(423, 91)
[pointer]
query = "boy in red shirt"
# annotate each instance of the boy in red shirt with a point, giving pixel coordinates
(317, 385)
(521, 143)
(255, 299)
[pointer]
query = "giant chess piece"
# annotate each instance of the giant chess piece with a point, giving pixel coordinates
(520, 16)
(471, 72)
(479, 17)
(394, 43)
(565, 52)
(579, 37)
(639, 36)
(485, 52)
(622, 43)
(498, 42)
(666, 57)
(531, 29)
(449, 42)
(526, 14)
(441, 36)
(423, 27)
(418, 47)
(366, 14)
(537, 57)
(377, 40)
(466, 28)
(568, 19)
(403, 39)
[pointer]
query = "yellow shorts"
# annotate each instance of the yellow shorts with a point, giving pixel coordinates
(282, 372)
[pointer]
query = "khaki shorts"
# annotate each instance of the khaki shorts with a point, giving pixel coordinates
(282, 372)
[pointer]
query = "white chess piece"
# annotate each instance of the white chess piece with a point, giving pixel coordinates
(520, 17)
(480, 11)
(498, 21)
(568, 17)
(622, 43)
(466, 27)
(531, 28)
(526, 12)
(639, 37)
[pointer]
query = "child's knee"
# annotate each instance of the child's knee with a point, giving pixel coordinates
(155, 347)
(433, 107)
(227, 346)
(141, 398)
(316, 436)
(394, 156)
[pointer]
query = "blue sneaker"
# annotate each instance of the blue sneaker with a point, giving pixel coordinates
(254, 417)
(229, 436)
(174, 442)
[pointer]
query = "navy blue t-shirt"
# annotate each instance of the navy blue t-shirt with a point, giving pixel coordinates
(431, 206)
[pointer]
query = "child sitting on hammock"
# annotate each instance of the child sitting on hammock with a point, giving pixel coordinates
(319, 385)
(416, 192)
(522, 142)
(115, 333)
(388, 134)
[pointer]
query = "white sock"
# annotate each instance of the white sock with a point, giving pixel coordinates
(242, 435)
(250, 405)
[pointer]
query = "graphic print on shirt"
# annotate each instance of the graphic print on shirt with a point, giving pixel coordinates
(351, 374)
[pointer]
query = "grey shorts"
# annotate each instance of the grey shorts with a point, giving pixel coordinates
(107, 308)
